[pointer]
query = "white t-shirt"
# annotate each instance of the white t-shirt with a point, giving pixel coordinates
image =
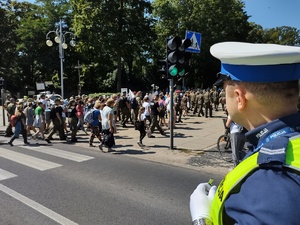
(146, 105)
(234, 127)
(105, 114)
(143, 117)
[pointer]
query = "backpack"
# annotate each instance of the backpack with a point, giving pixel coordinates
(89, 116)
(13, 120)
(11, 109)
(133, 103)
(162, 104)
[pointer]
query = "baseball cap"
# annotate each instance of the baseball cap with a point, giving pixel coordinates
(250, 62)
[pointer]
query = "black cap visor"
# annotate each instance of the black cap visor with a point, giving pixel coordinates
(221, 78)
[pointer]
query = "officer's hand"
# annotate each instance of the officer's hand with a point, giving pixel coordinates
(200, 201)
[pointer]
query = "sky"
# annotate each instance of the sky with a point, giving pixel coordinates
(274, 13)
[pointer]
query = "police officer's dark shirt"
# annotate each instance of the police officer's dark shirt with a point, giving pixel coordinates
(268, 196)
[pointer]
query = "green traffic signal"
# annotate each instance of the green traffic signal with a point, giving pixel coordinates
(181, 72)
(173, 70)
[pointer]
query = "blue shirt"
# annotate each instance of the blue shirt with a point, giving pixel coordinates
(269, 195)
(95, 117)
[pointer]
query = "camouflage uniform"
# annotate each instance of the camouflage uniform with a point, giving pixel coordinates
(207, 103)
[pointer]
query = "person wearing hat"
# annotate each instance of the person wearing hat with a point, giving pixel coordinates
(261, 86)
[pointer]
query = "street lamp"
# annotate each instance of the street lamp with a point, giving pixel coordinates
(60, 39)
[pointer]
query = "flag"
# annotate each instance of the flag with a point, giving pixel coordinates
(131, 95)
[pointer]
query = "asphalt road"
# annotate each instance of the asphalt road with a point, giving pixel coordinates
(65, 184)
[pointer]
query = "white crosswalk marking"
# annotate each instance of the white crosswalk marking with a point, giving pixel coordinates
(26, 160)
(59, 153)
(6, 175)
(38, 207)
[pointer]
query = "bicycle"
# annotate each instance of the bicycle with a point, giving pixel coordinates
(224, 145)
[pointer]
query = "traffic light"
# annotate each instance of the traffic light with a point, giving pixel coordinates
(176, 56)
(185, 67)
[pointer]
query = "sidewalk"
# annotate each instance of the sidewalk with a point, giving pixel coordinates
(194, 143)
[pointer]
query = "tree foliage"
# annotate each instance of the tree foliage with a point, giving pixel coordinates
(118, 42)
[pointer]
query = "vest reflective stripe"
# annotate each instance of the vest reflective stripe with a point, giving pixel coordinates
(246, 167)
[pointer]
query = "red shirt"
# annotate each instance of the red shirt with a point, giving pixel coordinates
(79, 109)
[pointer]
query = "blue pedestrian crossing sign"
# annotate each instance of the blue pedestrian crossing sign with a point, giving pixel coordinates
(195, 39)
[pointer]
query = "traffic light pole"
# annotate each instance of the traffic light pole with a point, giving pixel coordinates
(171, 119)
(175, 63)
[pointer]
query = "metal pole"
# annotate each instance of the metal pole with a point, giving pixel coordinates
(61, 56)
(171, 115)
(3, 102)
(79, 87)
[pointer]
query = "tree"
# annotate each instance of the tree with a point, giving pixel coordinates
(116, 30)
(216, 20)
(8, 42)
(282, 35)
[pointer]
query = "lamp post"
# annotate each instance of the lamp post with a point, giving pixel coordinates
(79, 85)
(2, 99)
(60, 39)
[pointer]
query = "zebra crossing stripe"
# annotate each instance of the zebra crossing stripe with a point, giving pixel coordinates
(6, 175)
(59, 153)
(29, 161)
(38, 207)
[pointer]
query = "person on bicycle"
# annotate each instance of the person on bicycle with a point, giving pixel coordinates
(237, 140)
(261, 85)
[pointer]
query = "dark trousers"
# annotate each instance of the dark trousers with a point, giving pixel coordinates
(125, 115)
(208, 109)
(179, 112)
(142, 131)
(57, 127)
(200, 107)
(8, 131)
(111, 142)
(73, 121)
(155, 124)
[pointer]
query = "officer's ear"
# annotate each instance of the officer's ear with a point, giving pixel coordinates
(240, 97)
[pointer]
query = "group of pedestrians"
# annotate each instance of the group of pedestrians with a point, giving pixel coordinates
(37, 119)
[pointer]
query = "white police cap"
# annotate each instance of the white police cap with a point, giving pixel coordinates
(257, 62)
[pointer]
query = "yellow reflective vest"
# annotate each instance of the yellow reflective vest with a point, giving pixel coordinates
(247, 166)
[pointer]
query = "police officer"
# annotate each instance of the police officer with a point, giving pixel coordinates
(261, 85)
